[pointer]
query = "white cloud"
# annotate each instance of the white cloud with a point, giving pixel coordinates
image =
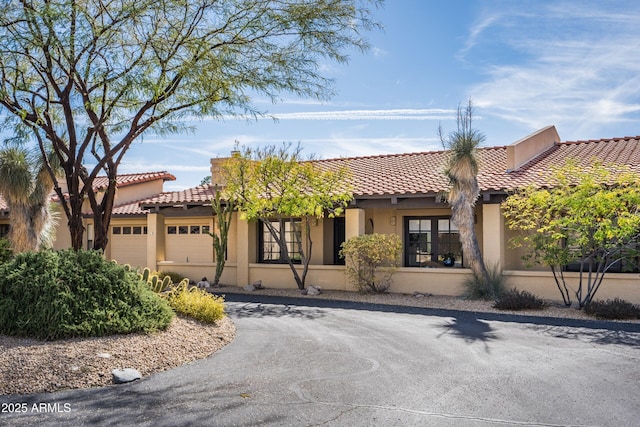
(474, 34)
(576, 67)
(377, 52)
(139, 166)
(394, 114)
(338, 145)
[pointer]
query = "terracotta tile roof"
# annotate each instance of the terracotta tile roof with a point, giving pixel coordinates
(422, 173)
(416, 173)
(624, 151)
(129, 208)
(100, 183)
(197, 195)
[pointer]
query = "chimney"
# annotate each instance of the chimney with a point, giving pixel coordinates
(217, 177)
(529, 147)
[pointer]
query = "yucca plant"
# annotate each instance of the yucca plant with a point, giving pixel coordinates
(26, 186)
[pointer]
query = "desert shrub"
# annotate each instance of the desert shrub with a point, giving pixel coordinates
(371, 260)
(477, 288)
(514, 299)
(60, 294)
(613, 309)
(196, 303)
(5, 250)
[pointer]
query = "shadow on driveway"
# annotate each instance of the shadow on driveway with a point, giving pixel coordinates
(468, 325)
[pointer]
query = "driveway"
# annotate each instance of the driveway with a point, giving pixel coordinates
(357, 365)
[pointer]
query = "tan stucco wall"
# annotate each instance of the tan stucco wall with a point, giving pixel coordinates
(542, 284)
(130, 193)
(317, 249)
(245, 236)
(197, 270)
(354, 222)
(63, 238)
(138, 191)
(493, 230)
(280, 276)
(437, 281)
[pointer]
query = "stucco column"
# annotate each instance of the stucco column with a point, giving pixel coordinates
(243, 246)
(493, 244)
(155, 240)
(354, 223)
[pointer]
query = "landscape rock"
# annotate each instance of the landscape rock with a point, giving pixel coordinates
(314, 290)
(257, 284)
(249, 288)
(121, 376)
(421, 295)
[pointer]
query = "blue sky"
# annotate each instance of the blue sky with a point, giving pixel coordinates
(524, 64)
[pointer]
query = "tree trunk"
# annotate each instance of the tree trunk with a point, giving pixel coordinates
(463, 217)
(76, 230)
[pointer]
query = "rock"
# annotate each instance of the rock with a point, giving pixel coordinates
(121, 376)
(104, 355)
(421, 295)
(314, 290)
(249, 288)
(204, 283)
(257, 284)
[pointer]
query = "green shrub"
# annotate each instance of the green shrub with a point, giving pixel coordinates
(371, 260)
(476, 288)
(5, 250)
(196, 303)
(514, 299)
(613, 309)
(52, 295)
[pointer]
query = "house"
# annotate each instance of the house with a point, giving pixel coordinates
(403, 194)
(132, 188)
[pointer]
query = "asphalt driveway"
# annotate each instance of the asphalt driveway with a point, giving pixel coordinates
(355, 365)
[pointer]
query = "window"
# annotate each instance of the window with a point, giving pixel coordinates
(186, 229)
(4, 230)
(629, 262)
(429, 241)
(270, 251)
(137, 229)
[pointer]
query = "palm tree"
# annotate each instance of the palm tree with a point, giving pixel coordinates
(26, 186)
(462, 172)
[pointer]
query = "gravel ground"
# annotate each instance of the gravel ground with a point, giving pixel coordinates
(552, 309)
(32, 366)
